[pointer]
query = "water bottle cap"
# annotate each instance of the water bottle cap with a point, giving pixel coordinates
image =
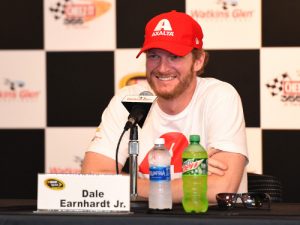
(194, 138)
(159, 141)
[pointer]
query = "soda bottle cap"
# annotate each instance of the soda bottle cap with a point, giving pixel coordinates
(194, 138)
(159, 141)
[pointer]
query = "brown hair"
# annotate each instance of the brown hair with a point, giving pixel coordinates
(197, 53)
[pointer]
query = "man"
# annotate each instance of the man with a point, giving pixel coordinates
(186, 104)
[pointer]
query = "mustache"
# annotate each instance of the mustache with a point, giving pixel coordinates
(158, 74)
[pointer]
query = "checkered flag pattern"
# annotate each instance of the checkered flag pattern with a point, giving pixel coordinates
(275, 86)
(61, 61)
(58, 9)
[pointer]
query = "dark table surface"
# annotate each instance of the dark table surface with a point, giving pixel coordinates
(23, 211)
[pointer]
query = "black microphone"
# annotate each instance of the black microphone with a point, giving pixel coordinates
(138, 108)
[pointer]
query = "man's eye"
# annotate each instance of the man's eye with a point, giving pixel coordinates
(175, 57)
(153, 56)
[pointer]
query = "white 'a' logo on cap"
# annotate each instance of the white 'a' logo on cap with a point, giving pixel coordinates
(163, 24)
(163, 28)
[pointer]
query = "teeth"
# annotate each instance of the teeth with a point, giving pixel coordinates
(166, 78)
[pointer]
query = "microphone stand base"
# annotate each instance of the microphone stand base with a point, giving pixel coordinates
(138, 204)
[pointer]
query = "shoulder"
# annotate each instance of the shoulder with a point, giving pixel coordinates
(215, 88)
(211, 84)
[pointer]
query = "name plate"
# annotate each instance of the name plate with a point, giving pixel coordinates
(83, 192)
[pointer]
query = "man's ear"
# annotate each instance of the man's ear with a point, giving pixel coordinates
(198, 64)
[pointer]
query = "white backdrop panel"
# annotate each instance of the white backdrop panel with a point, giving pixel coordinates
(22, 89)
(65, 148)
(128, 67)
(228, 24)
(254, 142)
(96, 31)
(282, 109)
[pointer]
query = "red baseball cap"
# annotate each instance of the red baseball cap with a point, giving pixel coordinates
(175, 32)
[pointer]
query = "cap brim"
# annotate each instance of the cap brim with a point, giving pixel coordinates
(176, 49)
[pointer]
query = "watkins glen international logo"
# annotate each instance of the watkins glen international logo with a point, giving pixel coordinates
(285, 87)
(224, 9)
(12, 90)
(78, 12)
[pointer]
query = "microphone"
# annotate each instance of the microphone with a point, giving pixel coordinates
(138, 108)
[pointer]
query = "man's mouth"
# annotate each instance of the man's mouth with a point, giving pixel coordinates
(165, 78)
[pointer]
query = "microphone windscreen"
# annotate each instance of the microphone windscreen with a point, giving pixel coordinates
(138, 106)
(146, 93)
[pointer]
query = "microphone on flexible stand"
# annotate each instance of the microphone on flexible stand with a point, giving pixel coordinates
(138, 108)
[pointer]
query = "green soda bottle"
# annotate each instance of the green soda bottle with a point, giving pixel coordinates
(194, 177)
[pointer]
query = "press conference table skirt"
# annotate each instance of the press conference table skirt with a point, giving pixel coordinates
(20, 211)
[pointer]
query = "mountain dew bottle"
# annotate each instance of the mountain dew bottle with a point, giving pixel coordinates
(194, 177)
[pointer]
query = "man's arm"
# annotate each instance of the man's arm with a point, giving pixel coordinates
(222, 181)
(232, 177)
(229, 181)
(95, 163)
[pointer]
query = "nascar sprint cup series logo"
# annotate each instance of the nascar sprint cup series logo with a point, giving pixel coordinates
(287, 88)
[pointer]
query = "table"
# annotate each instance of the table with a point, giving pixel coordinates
(21, 211)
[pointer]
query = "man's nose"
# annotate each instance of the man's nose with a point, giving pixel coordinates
(163, 65)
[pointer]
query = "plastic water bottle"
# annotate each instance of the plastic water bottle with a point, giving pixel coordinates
(194, 177)
(160, 194)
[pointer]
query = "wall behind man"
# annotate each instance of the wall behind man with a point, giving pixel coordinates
(62, 60)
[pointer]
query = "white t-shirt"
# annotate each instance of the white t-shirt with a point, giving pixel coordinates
(215, 113)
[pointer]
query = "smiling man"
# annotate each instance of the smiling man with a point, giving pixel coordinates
(186, 104)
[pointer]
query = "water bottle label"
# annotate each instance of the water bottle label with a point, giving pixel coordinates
(194, 166)
(160, 173)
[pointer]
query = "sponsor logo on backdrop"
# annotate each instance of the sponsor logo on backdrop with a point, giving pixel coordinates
(17, 90)
(78, 160)
(224, 10)
(286, 88)
(132, 78)
(228, 3)
(80, 12)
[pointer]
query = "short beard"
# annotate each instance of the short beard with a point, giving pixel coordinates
(177, 91)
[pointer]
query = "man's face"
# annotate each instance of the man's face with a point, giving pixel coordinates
(169, 75)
